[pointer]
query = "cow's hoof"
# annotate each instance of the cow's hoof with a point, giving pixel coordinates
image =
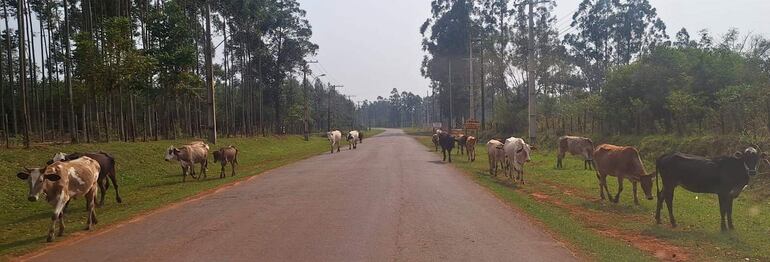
(120, 200)
(49, 239)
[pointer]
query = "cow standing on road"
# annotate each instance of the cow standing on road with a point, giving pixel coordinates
(461, 140)
(496, 155)
(62, 181)
(106, 170)
(188, 156)
(435, 140)
(517, 152)
(334, 139)
(353, 139)
(725, 176)
(447, 143)
(470, 147)
(622, 162)
(226, 155)
(576, 146)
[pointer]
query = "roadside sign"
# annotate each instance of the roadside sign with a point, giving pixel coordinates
(436, 124)
(457, 132)
(472, 124)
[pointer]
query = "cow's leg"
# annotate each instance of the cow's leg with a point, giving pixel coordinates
(730, 213)
(668, 195)
(90, 199)
(559, 158)
(633, 186)
(450, 156)
(61, 219)
(723, 211)
(57, 213)
(620, 189)
(232, 165)
(102, 183)
(659, 206)
(113, 177)
(222, 172)
(601, 185)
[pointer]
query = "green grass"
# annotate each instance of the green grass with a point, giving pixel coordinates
(147, 182)
(574, 212)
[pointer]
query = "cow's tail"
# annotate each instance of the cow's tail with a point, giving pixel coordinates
(656, 177)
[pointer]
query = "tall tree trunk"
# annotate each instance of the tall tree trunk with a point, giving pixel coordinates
(9, 57)
(22, 77)
(212, 116)
(68, 75)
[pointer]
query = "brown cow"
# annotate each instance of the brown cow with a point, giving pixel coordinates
(62, 181)
(461, 140)
(621, 162)
(188, 156)
(226, 155)
(470, 147)
(576, 146)
(107, 170)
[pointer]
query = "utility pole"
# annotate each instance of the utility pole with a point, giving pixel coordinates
(67, 75)
(305, 91)
(212, 110)
(471, 114)
(483, 98)
(329, 109)
(531, 75)
(451, 111)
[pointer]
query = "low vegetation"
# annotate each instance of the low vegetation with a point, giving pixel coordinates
(146, 182)
(567, 202)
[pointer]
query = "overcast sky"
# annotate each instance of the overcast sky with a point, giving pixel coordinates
(373, 46)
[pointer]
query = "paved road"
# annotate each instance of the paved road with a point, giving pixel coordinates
(389, 200)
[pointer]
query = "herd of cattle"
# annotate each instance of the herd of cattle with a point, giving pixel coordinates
(68, 176)
(725, 176)
(353, 137)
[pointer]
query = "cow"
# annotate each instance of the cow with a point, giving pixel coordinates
(725, 176)
(470, 147)
(517, 152)
(62, 181)
(189, 155)
(435, 141)
(353, 139)
(461, 139)
(622, 162)
(447, 142)
(576, 146)
(496, 155)
(334, 139)
(226, 155)
(107, 170)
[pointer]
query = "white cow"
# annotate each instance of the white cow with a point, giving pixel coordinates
(496, 155)
(189, 155)
(517, 152)
(353, 139)
(334, 138)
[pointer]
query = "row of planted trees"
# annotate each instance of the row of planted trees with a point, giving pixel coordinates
(102, 70)
(609, 68)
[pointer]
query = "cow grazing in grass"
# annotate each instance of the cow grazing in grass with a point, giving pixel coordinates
(189, 155)
(496, 155)
(622, 162)
(461, 140)
(470, 147)
(517, 152)
(226, 155)
(106, 170)
(576, 146)
(334, 139)
(447, 142)
(62, 181)
(353, 139)
(725, 176)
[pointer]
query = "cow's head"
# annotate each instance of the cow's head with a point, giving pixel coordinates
(751, 158)
(217, 156)
(36, 179)
(350, 136)
(524, 153)
(646, 182)
(171, 153)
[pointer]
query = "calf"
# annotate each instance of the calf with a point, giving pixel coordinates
(517, 152)
(496, 155)
(226, 155)
(576, 146)
(334, 139)
(106, 170)
(447, 143)
(461, 140)
(62, 181)
(725, 176)
(470, 147)
(622, 162)
(353, 139)
(188, 156)
(435, 141)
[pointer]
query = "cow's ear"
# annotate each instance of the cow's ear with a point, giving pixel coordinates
(52, 177)
(738, 154)
(22, 175)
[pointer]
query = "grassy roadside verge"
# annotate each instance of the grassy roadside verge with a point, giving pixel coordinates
(567, 202)
(146, 182)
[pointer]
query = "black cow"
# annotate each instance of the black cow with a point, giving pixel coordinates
(447, 143)
(725, 176)
(107, 170)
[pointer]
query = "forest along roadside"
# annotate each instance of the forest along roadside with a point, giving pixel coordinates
(567, 201)
(147, 183)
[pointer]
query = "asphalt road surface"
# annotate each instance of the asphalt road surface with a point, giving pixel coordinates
(389, 200)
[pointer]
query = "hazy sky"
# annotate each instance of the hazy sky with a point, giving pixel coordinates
(372, 46)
